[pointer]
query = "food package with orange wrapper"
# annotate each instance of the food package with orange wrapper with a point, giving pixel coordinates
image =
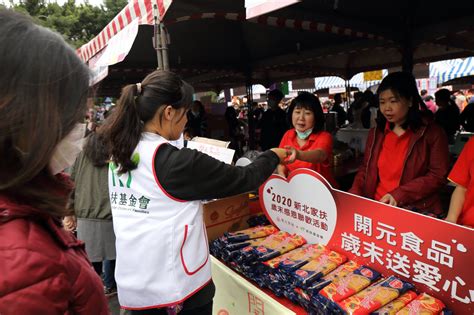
(225, 246)
(304, 295)
(297, 257)
(342, 288)
(249, 259)
(318, 268)
(279, 277)
(375, 296)
(424, 304)
(333, 276)
(251, 233)
(393, 307)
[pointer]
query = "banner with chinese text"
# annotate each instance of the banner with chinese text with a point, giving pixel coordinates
(434, 255)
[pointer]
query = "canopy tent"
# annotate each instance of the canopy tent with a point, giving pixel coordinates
(451, 69)
(213, 46)
(357, 81)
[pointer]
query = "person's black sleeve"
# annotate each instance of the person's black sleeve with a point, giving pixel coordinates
(191, 175)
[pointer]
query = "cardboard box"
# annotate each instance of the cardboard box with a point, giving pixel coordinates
(226, 215)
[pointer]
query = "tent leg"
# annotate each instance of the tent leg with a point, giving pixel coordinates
(348, 95)
(164, 47)
(157, 37)
(250, 120)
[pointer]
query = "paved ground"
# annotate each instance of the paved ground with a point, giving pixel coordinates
(114, 305)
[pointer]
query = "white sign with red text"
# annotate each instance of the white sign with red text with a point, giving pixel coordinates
(432, 254)
(222, 154)
(301, 205)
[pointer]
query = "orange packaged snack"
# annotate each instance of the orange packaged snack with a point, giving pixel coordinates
(341, 271)
(393, 307)
(288, 244)
(251, 233)
(297, 257)
(424, 304)
(317, 268)
(274, 245)
(334, 275)
(350, 284)
(374, 297)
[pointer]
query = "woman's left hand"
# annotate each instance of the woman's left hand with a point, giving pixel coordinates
(292, 154)
(388, 199)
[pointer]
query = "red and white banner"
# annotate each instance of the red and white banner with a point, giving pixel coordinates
(434, 255)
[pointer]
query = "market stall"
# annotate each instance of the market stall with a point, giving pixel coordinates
(427, 262)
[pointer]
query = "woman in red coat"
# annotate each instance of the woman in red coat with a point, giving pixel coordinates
(406, 156)
(43, 93)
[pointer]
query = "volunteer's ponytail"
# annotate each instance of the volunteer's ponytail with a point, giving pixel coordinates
(123, 129)
(137, 105)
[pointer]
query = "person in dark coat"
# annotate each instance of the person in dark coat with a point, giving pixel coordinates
(447, 115)
(341, 112)
(274, 122)
(197, 120)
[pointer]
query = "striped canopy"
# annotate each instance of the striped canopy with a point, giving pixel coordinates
(355, 81)
(451, 69)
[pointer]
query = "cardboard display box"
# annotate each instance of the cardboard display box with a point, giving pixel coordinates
(226, 215)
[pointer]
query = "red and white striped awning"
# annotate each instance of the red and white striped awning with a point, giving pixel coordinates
(141, 9)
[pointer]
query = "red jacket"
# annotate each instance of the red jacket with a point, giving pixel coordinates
(43, 268)
(424, 172)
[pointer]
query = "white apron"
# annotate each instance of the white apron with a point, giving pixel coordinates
(162, 247)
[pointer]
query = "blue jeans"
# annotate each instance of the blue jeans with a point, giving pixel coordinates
(106, 270)
(109, 270)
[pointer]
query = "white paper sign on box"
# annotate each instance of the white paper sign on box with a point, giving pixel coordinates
(222, 154)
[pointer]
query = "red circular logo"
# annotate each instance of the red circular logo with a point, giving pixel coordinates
(261, 249)
(397, 284)
(367, 272)
(301, 273)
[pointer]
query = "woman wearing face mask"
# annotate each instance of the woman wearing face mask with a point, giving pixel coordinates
(313, 146)
(155, 191)
(406, 156)
(43, 93)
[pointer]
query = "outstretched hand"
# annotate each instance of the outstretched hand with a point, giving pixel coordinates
(291, 153)
(388, 199)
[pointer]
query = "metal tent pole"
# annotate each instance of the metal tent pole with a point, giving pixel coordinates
(157, 37)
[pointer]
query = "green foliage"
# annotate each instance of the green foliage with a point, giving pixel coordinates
(77, 23)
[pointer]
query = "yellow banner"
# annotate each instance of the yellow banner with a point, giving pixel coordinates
(373, 75)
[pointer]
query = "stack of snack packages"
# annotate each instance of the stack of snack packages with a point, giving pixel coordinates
(322, 280)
